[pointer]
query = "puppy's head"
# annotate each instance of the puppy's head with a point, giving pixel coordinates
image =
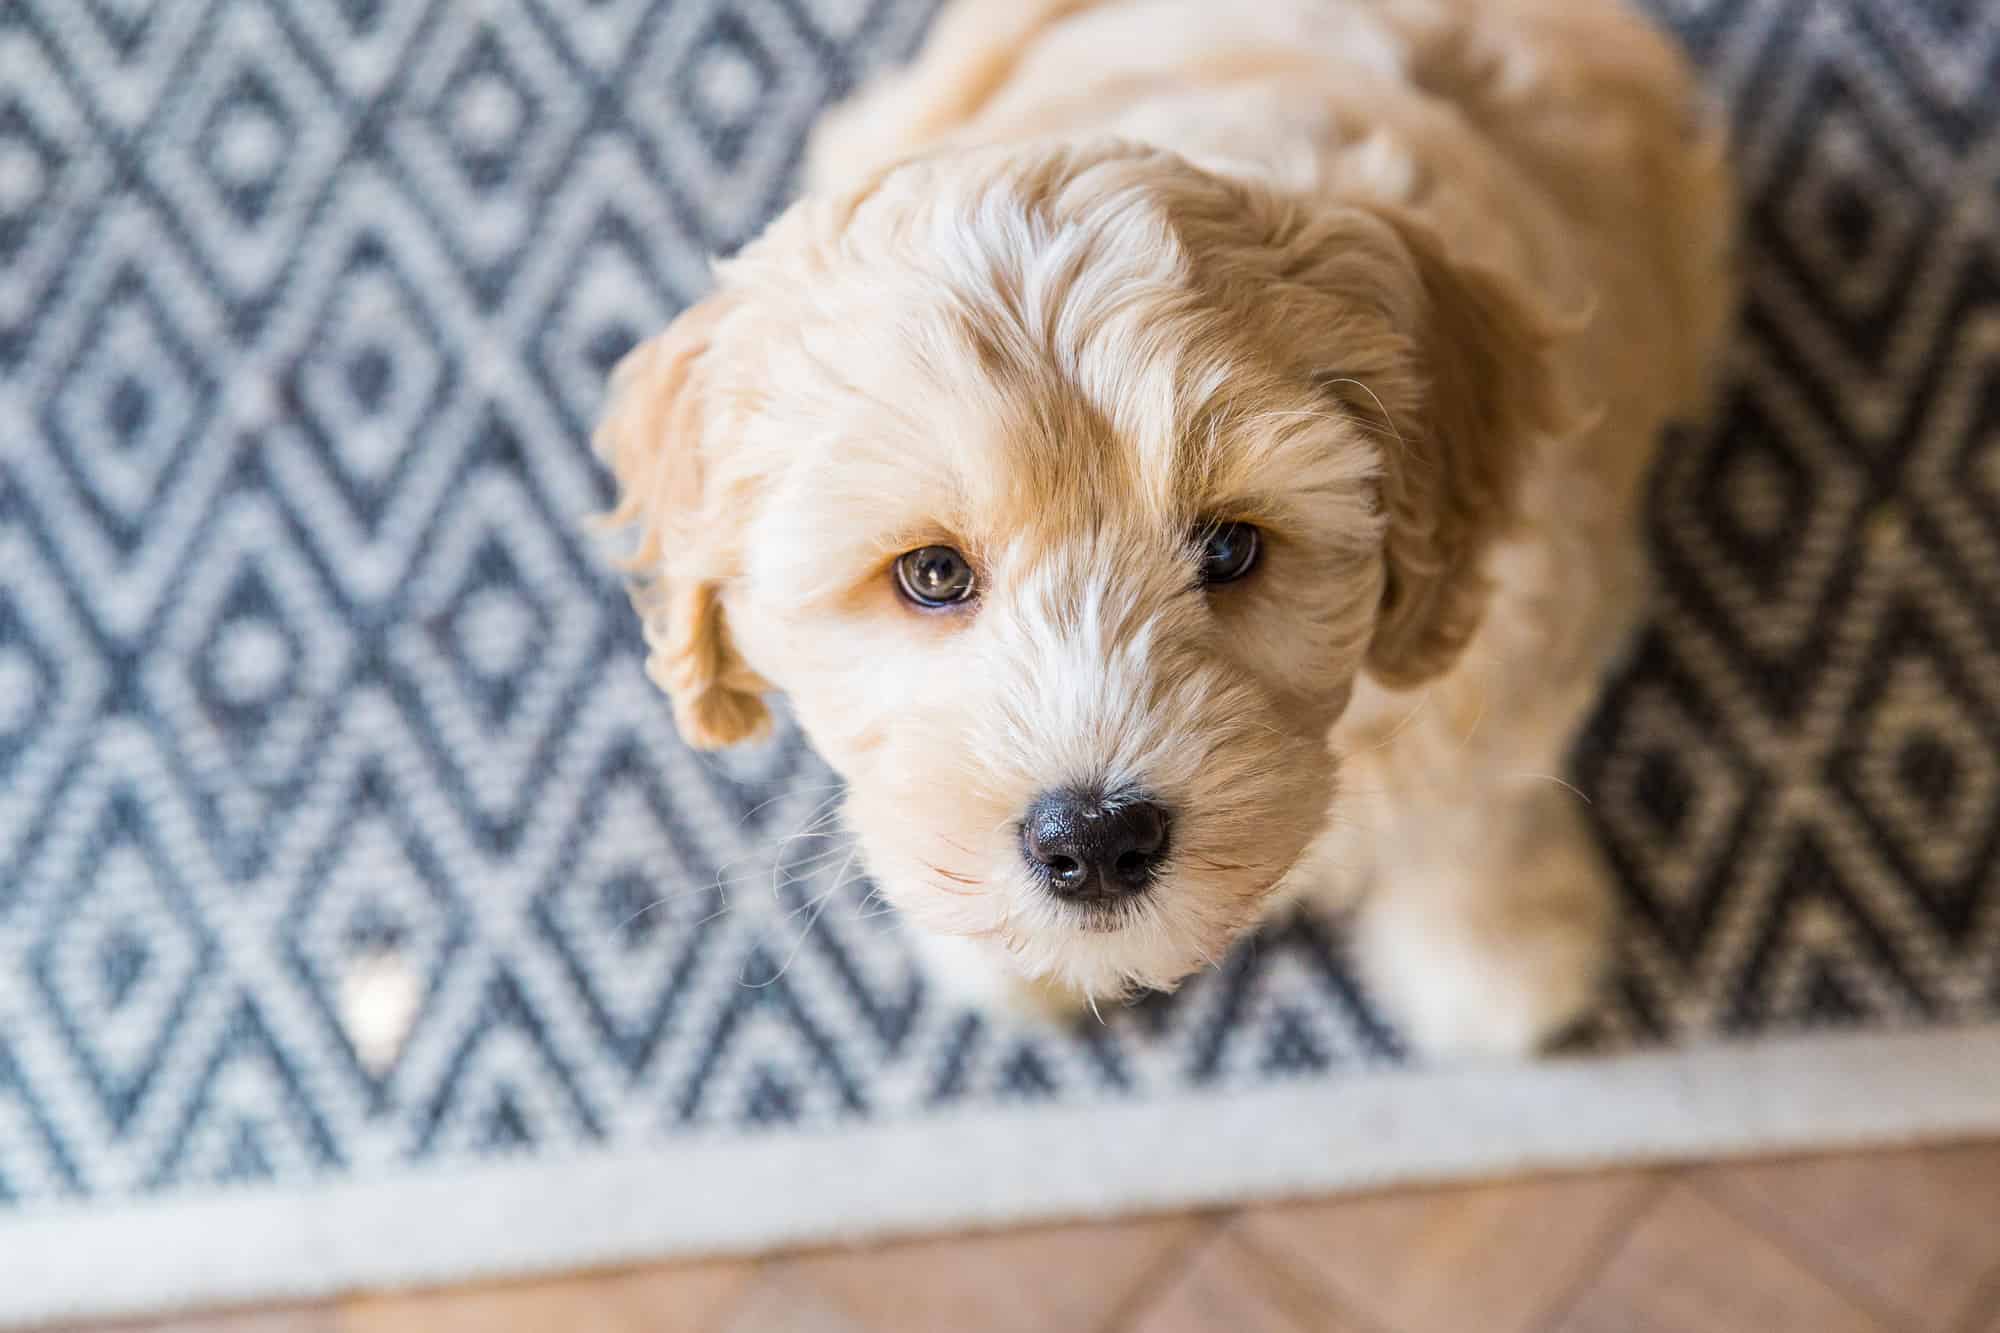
(1065, 493)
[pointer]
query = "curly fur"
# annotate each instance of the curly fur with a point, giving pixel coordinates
(1410, 284)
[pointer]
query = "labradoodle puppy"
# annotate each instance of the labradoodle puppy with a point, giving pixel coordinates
(1178, 457)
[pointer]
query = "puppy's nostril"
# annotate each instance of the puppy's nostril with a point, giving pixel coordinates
(1088, 846)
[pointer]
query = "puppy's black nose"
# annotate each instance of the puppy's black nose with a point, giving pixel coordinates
(1091, 847)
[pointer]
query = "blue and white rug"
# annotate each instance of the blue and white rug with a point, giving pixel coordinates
(333, 803)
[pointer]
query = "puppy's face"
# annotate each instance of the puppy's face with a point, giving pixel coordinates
(1065, 494)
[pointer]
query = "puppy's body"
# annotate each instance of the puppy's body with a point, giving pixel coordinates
(1413, 284)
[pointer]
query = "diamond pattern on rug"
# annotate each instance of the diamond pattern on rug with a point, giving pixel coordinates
(339, 829)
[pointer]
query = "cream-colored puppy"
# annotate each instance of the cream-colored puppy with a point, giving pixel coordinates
(1181, 455)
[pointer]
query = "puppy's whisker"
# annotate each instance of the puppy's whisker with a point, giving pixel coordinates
(1567, 786)
(822, 809)
(1347, 420)
(778, 852)
(1401, 726)
(788, 872)
(784, 853)
(1477, 718)
(789, 792)
(821, 830)
(813, 901)
(669, 899)
(718, 912)
(809, 832)
(814, 827)
(874, 898)
(818, 906)
(1327, 415)
(1379, 405)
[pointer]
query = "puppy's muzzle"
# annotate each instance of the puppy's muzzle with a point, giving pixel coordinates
(1092, 847)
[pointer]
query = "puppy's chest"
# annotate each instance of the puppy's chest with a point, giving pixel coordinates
(1564, 599)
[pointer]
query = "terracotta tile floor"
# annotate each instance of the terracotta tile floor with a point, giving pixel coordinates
(1883, 1242)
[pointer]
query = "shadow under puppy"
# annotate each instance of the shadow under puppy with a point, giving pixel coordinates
(1177, 457)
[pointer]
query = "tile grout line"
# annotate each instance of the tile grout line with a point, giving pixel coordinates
(727, 1310)
(1776, 1228)
(1291, 1272)
(1982, 1313)
(1138, 1300)
(1609, 1242)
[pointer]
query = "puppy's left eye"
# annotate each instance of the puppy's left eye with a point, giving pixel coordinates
(1228, 551)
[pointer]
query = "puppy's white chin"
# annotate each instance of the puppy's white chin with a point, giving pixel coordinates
(1154, 943)
(976, 973)
(1047, 956)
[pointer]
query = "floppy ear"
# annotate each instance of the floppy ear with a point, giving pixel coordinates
(652, 438)
(1487, 394)
(1449, 361)
(1465, 373)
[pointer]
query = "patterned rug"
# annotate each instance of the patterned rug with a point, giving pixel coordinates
(334, 808)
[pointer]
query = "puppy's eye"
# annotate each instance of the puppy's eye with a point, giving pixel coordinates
(1228, 551)
(934, 576)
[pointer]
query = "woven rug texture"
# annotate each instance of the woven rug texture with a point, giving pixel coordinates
(314, 687)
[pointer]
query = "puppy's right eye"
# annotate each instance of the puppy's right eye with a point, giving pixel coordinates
(934, 576)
